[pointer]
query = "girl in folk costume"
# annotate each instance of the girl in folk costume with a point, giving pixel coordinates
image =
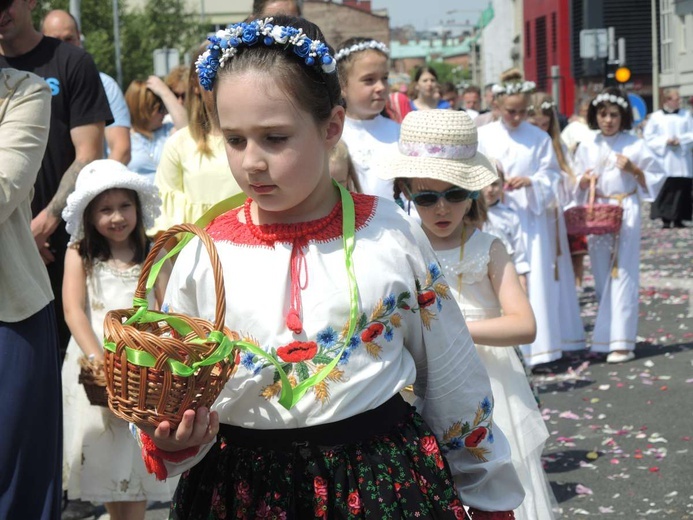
(542, 113)
(331, 286)
(363, 72)
(106, 217)
(440, 171)
(669, 134)
(625, 171)
(532, 178)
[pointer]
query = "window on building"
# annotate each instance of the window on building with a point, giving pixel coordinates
(683, 33)
(554, 32)
(666, 16)
(528, 40)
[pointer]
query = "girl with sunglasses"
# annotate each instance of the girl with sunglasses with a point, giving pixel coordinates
(440, 172)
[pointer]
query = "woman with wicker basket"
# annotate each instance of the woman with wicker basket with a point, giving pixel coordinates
(620, 170)
(106, 217)
(341, 304)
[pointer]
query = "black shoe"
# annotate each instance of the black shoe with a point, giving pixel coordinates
(77, 509)
(666, 224)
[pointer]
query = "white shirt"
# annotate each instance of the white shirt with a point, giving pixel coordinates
(410, 331)
(676, 160)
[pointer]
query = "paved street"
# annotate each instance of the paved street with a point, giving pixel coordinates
(620, 442)
(621, 435)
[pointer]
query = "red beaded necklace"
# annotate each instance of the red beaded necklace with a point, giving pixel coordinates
(298, 234)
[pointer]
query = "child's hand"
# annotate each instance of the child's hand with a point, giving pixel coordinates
(586, 178)
(195, 429)
(515, 183)
(624, 163)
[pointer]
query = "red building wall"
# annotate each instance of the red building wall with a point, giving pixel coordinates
(546, 42)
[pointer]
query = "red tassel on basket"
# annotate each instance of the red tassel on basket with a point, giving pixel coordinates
(154, 457)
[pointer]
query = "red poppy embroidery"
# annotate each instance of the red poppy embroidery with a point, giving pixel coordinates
(372, 332)
(426, 298)
(297, 351)
(474, 438)
(354, 503)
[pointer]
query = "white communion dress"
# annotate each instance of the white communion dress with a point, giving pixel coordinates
(101, 460)
(515, 408)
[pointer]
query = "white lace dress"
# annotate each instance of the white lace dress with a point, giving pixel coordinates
(515, 408)
(101, 460)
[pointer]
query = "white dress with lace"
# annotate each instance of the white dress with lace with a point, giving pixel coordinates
(101, 460)
(515, 408)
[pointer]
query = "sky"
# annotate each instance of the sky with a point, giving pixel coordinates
(425, 14)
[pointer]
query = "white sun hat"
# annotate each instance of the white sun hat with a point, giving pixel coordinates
(99, 176)
(441, 144)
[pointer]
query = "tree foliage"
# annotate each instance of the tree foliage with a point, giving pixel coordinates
(156, 24)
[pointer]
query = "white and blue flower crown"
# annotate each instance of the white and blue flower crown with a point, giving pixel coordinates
(610, 98)
(225, 43)
(362, 46)
(514, 87)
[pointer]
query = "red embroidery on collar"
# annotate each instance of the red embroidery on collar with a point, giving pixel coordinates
(228, 228)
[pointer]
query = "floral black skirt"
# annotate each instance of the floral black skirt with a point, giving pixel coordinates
(397, 474)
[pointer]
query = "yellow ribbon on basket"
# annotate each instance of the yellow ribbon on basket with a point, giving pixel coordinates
(619, 197)
(289, 395)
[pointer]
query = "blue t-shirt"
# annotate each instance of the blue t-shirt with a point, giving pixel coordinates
(441, 104)
(146, 153)
(116, 101)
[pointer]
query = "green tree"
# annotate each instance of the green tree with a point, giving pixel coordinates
(157, 24)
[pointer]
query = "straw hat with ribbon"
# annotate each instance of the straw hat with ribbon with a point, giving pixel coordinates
(441, 144)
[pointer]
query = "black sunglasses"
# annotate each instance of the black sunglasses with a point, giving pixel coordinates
(429, 198)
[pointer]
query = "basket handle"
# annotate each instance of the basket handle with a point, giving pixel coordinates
(593, 192)
(151, 269)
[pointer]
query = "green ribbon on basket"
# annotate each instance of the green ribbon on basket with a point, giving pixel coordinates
(289, 395)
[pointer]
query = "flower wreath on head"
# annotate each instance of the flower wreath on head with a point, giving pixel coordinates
(548, 105)
(225, 43)
(515, 87)
(362, 46)
(610, 98)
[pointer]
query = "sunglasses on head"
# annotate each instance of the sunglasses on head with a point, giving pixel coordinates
(428, 198)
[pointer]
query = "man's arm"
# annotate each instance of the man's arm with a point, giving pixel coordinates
(88, 143)
(118, 139)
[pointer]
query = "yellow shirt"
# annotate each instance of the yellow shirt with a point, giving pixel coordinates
(190, 183)
(25, 109)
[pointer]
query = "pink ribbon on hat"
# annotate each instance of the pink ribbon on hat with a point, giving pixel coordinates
(438, 151)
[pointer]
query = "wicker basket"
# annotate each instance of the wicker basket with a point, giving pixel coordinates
(144, 357)
(593, 219)
(93, 378)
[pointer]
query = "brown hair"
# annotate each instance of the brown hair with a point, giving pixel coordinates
(626, 113)
(537, 100)
(314, 91)
(177, 79)
(341, 153)
(344, 65)
(94, 245)
(143, 105)
(200, 121)
(259, 7)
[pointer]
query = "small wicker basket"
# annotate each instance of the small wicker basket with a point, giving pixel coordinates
(160, 364)
(93, 378)
(593, 219)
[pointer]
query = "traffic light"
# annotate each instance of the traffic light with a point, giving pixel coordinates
(616, 74)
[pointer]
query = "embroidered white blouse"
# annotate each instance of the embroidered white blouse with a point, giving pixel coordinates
(410, 331)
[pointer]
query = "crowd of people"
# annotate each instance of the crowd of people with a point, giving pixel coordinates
(406, 254)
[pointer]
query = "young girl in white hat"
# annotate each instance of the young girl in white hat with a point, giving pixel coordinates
(106, 217)
(440, 171)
